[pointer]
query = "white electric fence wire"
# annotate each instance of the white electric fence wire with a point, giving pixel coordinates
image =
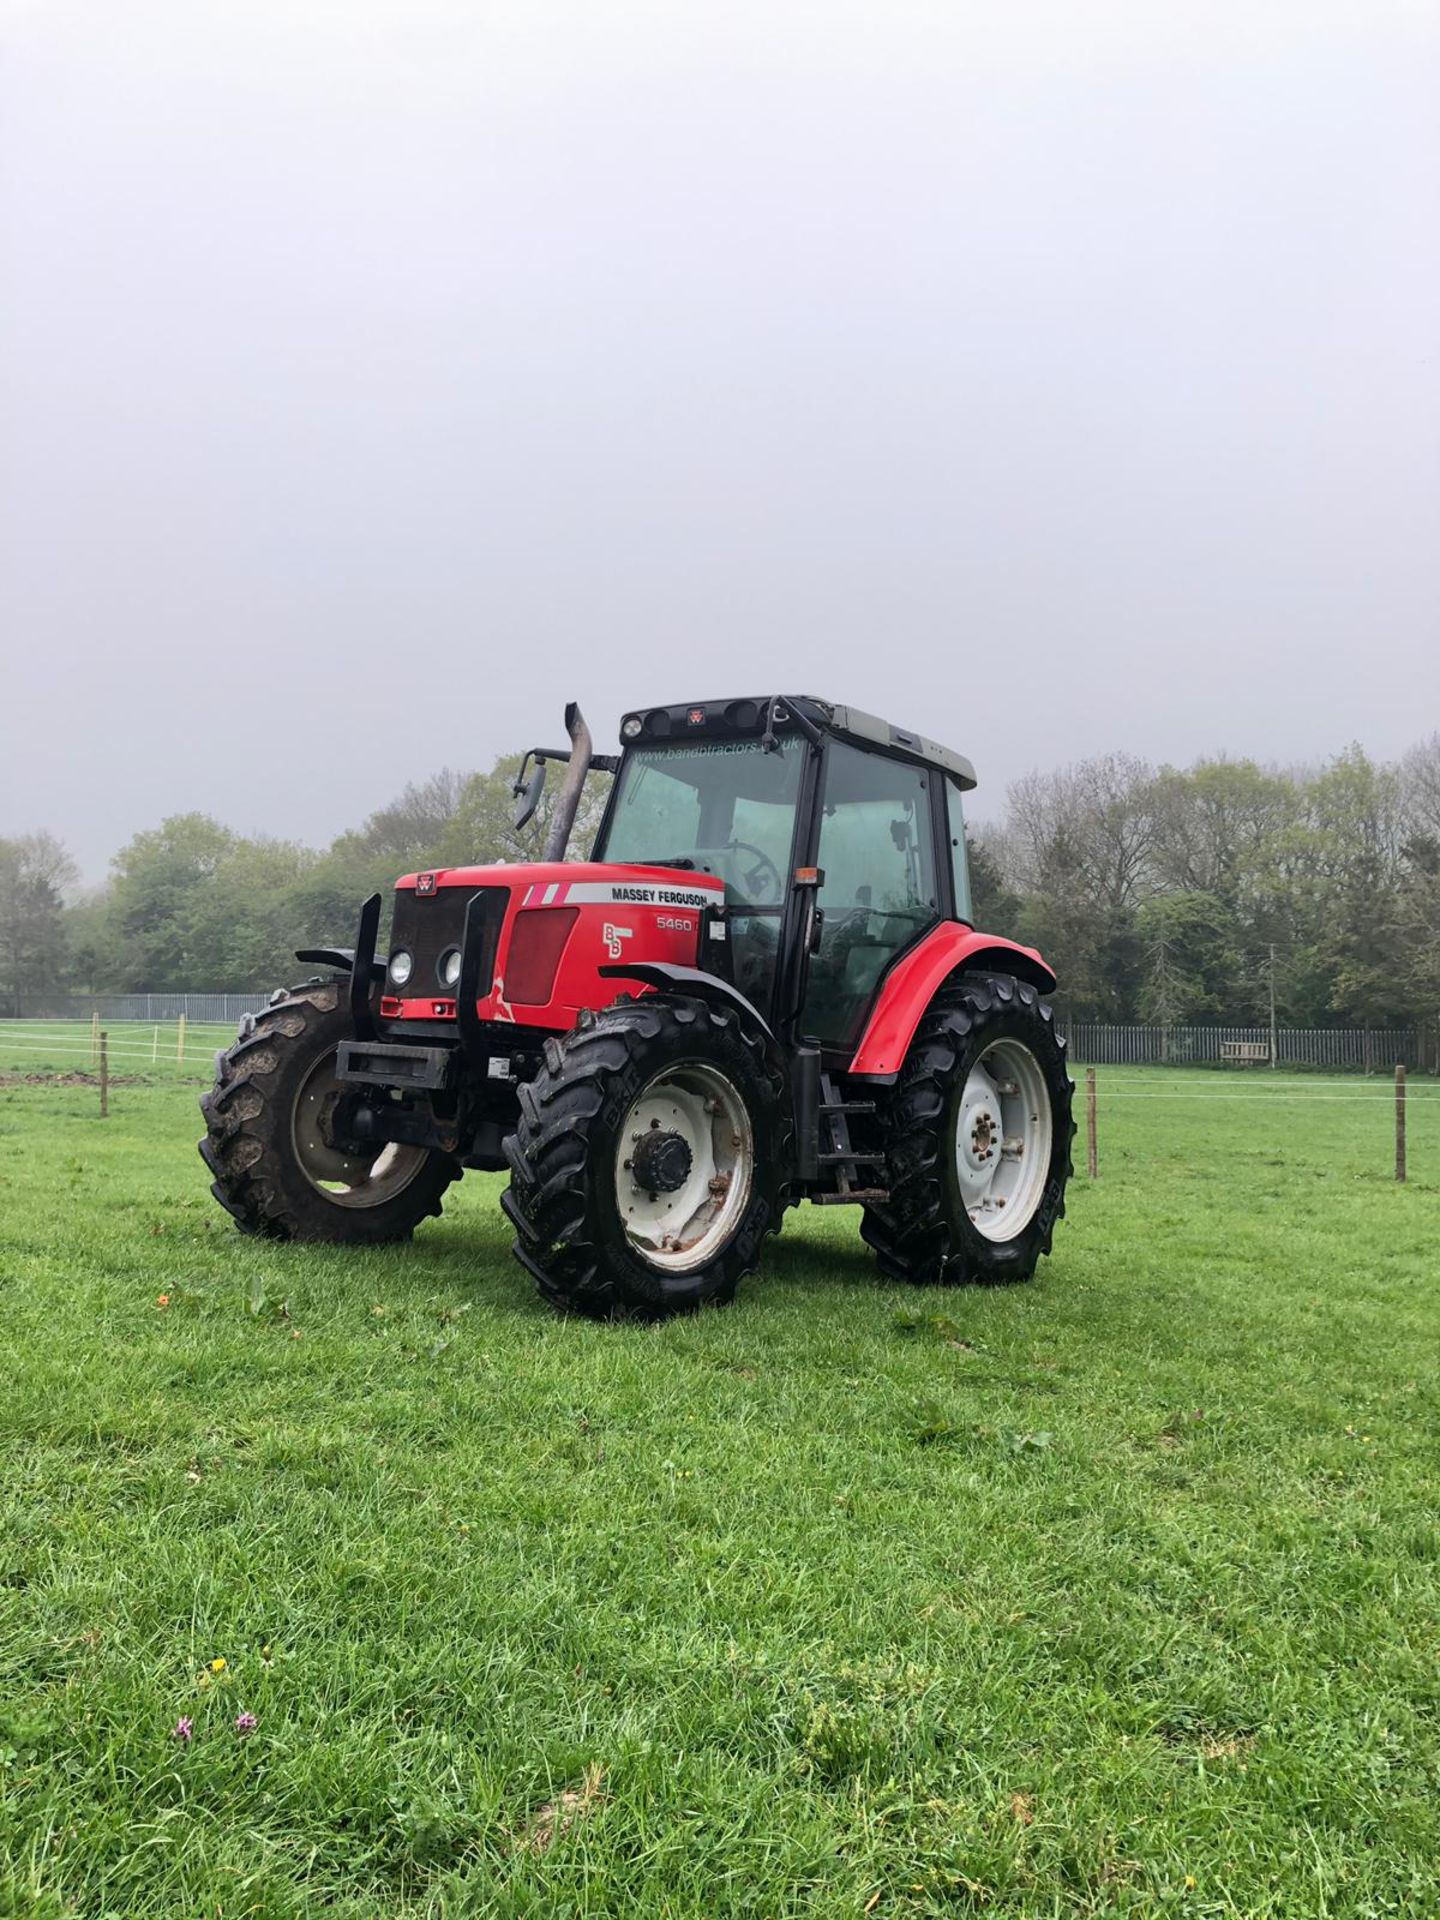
(76, 1029)
(83, 1033)
(49, 1048)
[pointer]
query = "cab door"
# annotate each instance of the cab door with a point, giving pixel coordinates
(877, 851)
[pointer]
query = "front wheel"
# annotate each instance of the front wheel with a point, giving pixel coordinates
(281, 1167)
(977, 1134)
(646, 1168)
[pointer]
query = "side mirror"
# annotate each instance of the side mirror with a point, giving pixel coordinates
(528, 796)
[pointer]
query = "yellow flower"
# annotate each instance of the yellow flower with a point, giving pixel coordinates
(218, 1665)
(1189, 1883)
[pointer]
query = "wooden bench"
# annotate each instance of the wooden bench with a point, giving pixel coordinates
(1256, 1050)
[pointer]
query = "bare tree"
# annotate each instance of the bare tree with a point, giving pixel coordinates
(1420, 787)
(414, 823)
(1094, 821)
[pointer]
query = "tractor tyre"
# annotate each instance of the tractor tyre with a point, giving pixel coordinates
(269, 1145)
(647, 1167)
(977, 1132)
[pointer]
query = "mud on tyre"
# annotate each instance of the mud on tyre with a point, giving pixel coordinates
(977, 1133)
(646, 1168)
(270, 1141)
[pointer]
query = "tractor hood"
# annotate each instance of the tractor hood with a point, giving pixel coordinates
(553, 882)
(546, 929)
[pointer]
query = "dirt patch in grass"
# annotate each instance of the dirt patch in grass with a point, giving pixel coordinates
(548, 1823)
(67, 1079)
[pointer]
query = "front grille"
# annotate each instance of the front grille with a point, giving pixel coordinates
(428, 925)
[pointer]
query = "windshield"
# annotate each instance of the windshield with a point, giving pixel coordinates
(725, 806)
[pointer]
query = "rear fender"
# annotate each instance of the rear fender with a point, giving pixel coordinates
(912, 983)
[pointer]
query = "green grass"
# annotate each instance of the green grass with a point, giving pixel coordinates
(1116, 1593)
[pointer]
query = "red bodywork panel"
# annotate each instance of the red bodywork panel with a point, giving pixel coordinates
(565, 920)
(911, 984)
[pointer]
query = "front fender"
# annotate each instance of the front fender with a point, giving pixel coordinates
(341, 957)
(663, 974)
(911, 984)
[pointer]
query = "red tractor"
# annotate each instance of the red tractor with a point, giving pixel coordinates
(764, 987)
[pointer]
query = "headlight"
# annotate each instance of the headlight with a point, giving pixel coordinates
(448, 967)
(401, 966)
(631, 728)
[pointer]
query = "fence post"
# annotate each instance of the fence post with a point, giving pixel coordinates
(1399, 1122)
(94, 1036)
(1092, 1157)
(104, 1076)
(180, 1040)
(1274, 1036)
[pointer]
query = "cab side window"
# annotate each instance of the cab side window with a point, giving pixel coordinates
(879, 896)
(959, 855)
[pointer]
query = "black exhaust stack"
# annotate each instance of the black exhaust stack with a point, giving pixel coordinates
(362, 969)
(567, 801)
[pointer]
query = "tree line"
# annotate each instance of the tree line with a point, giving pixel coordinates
(1177, 897)
(191, 905)
(1160, 894)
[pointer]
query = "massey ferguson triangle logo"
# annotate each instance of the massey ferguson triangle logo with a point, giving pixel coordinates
(613, 936)
(425, 883)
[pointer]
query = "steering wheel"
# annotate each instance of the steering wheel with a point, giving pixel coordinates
(761, 876)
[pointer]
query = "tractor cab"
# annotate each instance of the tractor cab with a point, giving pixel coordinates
(773, 795)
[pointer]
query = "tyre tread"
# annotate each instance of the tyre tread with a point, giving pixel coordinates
(584, 1073)
(911, 1234)
(247, 1133)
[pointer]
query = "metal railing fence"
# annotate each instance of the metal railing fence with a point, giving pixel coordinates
(1356, 1049)
(1359, 1049)
(198, 1008)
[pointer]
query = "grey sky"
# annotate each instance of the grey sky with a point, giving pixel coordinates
(1056, 377)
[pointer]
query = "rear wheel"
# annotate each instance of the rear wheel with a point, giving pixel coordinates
(977, 1135)
(646, 1168)
(281, 1167)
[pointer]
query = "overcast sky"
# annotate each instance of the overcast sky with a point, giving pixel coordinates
(1055, 377)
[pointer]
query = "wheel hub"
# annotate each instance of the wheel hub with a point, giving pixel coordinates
(346, 1171)
(980, 1134)
(684, 1167)
(662, 1161)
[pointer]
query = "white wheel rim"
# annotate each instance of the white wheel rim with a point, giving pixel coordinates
(680, 1230)
(1003, 1133)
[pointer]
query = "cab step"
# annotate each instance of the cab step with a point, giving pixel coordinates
(840, 1154)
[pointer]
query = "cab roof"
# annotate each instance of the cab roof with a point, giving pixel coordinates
(748, 716)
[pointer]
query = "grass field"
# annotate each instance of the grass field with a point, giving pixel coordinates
(1112, 1594)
